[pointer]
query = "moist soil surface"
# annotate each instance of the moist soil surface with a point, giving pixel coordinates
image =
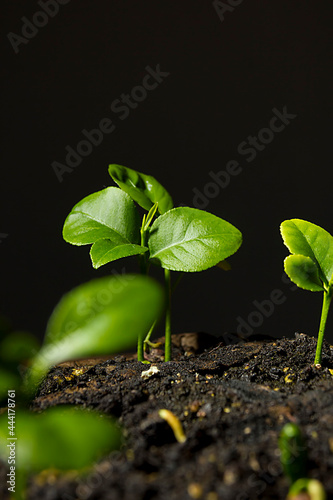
(232, 402)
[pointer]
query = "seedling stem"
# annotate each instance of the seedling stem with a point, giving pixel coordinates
(328, 294)
(167, 353)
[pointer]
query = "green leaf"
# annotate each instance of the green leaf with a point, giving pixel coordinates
(304, 238)
(104, 251)
(62, 438)
(304, 272)
(100, 317)
(188, 239)
(109, 214)
(144, 189)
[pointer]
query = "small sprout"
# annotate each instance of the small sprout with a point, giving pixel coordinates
(310, 265)
(312, 487)
(153, 370)
(174, 423)
(293, 452)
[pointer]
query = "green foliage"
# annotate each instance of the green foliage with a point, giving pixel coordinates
(305, 488)
(307, 239)
(142, 188)
(64, 438)
(310, 264)
(177, 239)
(61, 438)
(105, 251)
(102, 316)
(110, 221)
(293, 452)
(187, 239)
(293, 456)
(304, 272)
(181, 239)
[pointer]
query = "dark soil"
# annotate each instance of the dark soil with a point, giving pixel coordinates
(232, 402)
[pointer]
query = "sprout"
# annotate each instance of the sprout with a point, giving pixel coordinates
(178, 239)
(174, 423)
(310, 264)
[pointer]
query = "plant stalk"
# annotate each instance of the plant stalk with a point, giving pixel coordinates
(167, 352)
(143, 258)
(324, 312)
(140, 349)
(144, 271)
(149, 334)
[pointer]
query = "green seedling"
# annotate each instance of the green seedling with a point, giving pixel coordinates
(60, 438)
(179, 239)
(310, 264)
(293, 452)
(312, 488)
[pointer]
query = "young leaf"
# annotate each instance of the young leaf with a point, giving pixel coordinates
(104, 251)
(188, 239)
(100, 317)
(304, 238)
(304, 272)
(62, 438)
(311, 265)
(109, 214)
(142, 188)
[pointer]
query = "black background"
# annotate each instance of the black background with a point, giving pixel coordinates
(225, 78)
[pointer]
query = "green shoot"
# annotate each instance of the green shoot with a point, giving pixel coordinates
(310, 265)
(294, 464)
(179, 239)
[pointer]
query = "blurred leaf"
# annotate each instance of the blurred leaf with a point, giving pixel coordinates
(63, 438)
(100, 317)
(188, 239)
(142, 188)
